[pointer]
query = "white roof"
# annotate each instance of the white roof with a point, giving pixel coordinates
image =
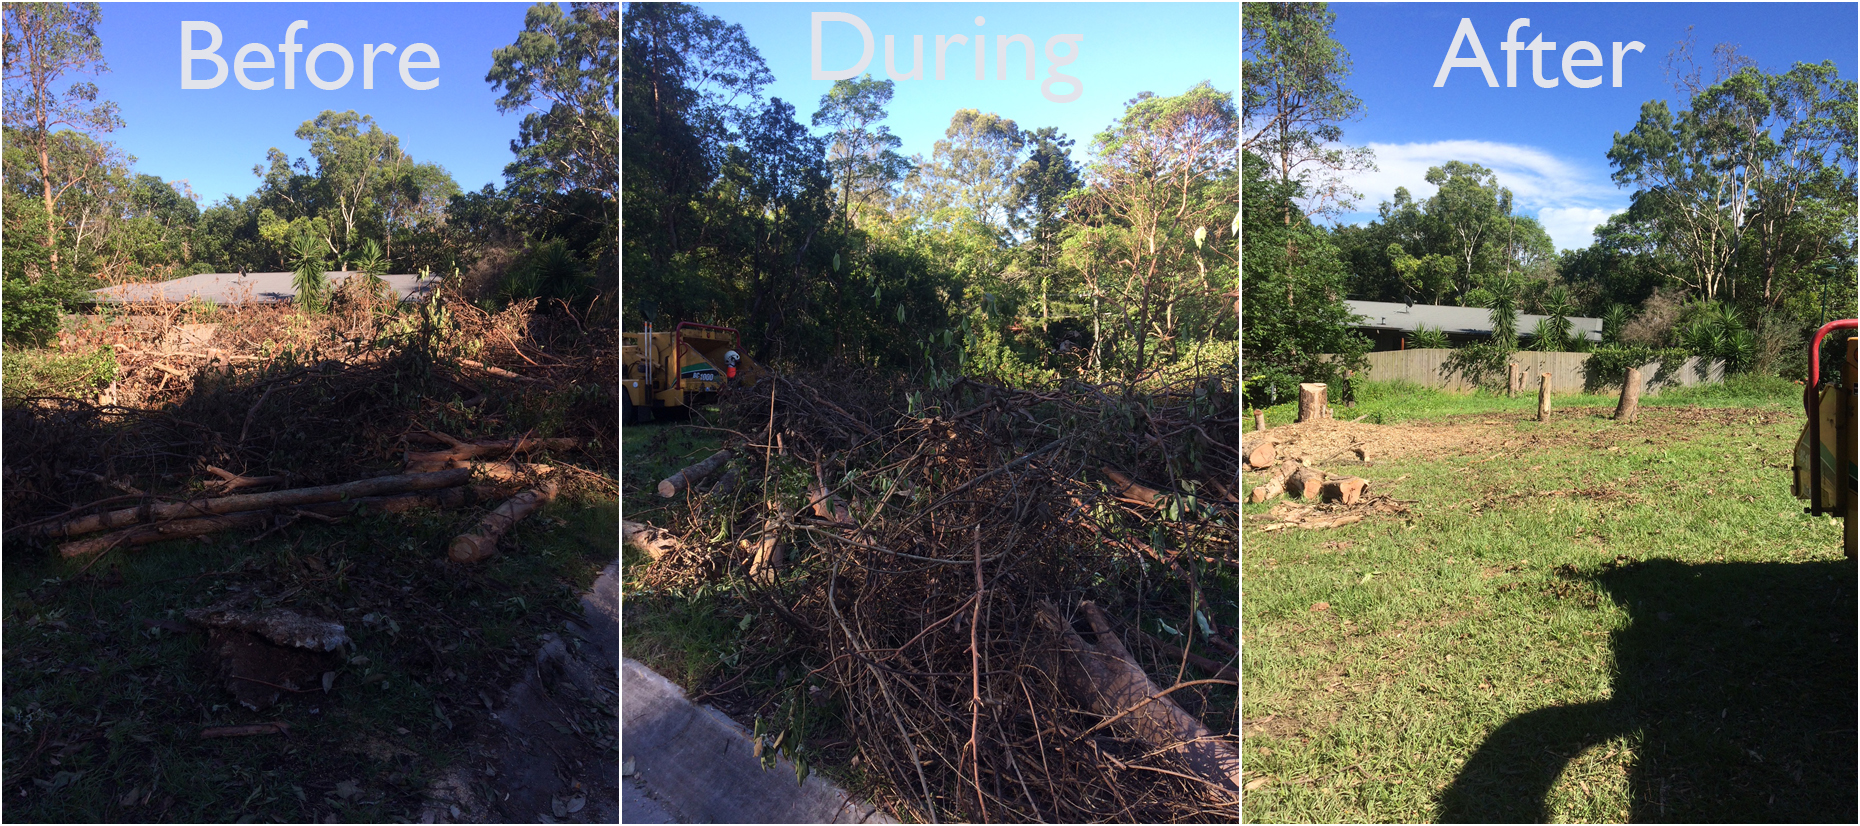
(1390, 315)
(252, 288)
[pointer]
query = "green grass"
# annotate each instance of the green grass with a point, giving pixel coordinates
(1589, 622)
(39, 372)
(1395, 402)
(99, 704)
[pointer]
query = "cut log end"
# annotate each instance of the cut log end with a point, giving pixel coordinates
(1345, 489)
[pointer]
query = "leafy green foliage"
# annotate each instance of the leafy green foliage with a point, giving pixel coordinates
(1425, 338)
(308, 278)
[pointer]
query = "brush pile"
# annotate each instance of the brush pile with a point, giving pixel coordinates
(206, 402)
(966, 576)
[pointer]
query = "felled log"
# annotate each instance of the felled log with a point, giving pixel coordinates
(726, 484)
(1262, 454)
(481, 541)
(1345, 489)
(689, 476)
(1630, 397)
(1305, 483)
(498, 471)
(655, 542)
(202, 526)
(1124, 487)
(402, 483)
(465, 451)
(1105, 677)
(766, 554)
(1311, 402)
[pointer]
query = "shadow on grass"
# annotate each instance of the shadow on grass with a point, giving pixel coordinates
(1738, 680)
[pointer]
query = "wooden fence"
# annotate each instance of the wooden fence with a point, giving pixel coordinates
(1567, 371)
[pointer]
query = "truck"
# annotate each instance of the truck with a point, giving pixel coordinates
(693, 364)
(1825, 471)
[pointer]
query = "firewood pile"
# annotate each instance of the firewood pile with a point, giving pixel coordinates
(262, 415)
(969, 573)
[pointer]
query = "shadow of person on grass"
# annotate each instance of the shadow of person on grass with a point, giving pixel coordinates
(1739, 680)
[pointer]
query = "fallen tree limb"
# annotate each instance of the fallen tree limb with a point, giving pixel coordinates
(402, 483)
(233, 481)
(279, 727)
(655, 542)
(201, 526)
(1220, 671)
(466, 451)
(498, 471)
(1105, 677)
(689, 476)
(499, 372)
(481, 542)
(1126, 488)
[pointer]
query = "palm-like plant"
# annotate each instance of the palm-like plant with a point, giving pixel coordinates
(372, 265)
(1424, 338)
(1504, 291)
(1613, 322)
(308, 278)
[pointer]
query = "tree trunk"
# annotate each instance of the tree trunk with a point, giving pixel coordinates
(481, 542)
(1311, 401)
(257, 501)
(1514, 377)
(1630, 397)
(1543, 397)
(691, 475)
(1259, 420)
(1108, 679)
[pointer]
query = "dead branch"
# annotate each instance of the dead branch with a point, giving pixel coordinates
(689, 476)
(402, 483)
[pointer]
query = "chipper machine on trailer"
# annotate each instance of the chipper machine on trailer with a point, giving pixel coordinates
(690, 365)
(1826, 472)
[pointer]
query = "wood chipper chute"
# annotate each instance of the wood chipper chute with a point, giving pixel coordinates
(691, 365)
(1826, 473)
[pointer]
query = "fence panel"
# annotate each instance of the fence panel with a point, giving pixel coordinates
(1423, 366)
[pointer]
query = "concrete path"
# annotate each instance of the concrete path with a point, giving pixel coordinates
(693, 764)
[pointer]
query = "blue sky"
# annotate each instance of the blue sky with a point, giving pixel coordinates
(213, 137)
(1548, 145)
(1127, 48)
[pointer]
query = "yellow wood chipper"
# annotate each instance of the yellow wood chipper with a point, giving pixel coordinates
(691, 365)
(1826, 473)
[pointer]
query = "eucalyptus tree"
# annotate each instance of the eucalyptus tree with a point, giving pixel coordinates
(1293, 102)
(861, 151)
(44, 42)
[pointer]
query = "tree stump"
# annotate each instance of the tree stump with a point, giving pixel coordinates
(1259, 420)
(1630, 397)
(1311, 401)
(1513, 380)
(1543, 397)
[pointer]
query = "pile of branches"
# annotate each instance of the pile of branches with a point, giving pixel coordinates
(204, 402)
(967, 572)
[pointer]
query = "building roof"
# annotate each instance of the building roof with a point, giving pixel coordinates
(252, 288)
(1389, 315)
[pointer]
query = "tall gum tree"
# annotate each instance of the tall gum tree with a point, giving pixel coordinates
(43, 43)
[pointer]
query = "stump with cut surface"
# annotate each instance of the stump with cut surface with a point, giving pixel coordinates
(1630, 397)
(1311, 401)
(1514, 378)
(1543, 397)
(1259, 420)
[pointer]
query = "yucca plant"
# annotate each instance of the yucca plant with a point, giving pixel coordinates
(308, 279)
(1423, 338)
(372, 266)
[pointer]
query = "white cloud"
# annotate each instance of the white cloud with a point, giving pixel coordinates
(1573, 227)
(1570, 199)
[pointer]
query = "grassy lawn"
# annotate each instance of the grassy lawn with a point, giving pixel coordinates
(105, 695)
(1577, 621)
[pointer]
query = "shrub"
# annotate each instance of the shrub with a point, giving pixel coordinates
(1481, 364)
(1423, 338)
(32, 309)
(32, 372)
